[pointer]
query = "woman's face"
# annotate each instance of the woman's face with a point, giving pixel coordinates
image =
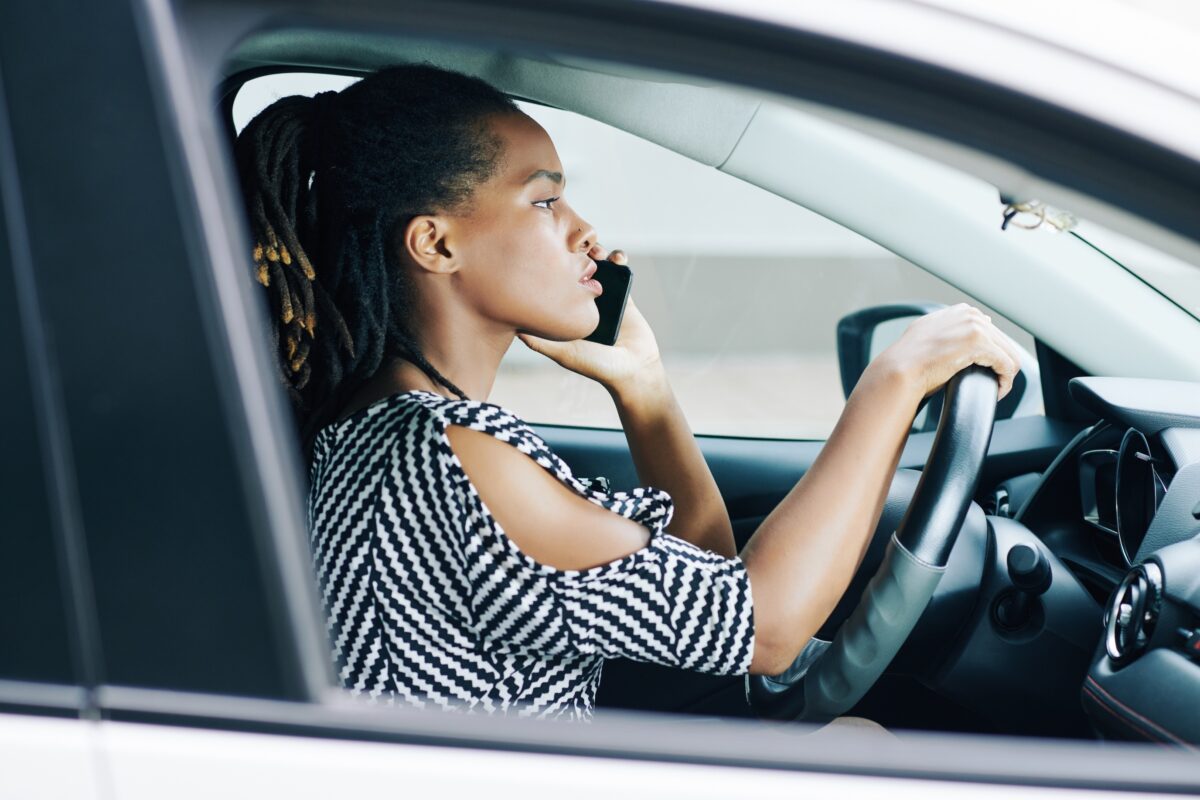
(523, 248)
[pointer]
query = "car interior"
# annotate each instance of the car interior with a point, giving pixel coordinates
(1069, 605)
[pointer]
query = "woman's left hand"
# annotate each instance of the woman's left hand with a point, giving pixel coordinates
(634, 357)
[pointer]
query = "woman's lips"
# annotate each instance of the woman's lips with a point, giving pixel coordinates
(588, 280)
(592, 285)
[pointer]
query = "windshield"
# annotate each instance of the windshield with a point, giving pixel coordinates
(1175, 279)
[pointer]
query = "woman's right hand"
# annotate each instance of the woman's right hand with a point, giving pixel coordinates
(941, 344)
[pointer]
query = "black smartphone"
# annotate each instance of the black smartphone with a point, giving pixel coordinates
(615, 280)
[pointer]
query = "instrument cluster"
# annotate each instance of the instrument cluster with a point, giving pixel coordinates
(1121, 490)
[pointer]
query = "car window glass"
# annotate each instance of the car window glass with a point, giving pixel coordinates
(33, 627)
(742, 288)
(1175, 278)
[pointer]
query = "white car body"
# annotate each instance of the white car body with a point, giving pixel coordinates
(1147, 85)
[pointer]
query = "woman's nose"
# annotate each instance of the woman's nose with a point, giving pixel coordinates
(583, 237)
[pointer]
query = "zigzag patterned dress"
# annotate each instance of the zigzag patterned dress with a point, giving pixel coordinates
(430, 604)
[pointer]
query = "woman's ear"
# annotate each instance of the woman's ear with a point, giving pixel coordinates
(425, 242)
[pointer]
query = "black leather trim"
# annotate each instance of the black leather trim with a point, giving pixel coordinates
(1095, 696)
(1155, 697)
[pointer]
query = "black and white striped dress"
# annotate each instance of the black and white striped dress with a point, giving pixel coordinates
(429, 603)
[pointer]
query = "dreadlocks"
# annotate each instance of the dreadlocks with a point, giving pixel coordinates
(330, 183)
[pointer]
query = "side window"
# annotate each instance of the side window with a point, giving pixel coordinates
(33, 627)
(743, 289)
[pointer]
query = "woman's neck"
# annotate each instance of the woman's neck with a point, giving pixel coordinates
(401, 375)
(462, 345)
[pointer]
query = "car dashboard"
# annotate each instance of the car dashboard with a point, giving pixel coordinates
(1120, 508)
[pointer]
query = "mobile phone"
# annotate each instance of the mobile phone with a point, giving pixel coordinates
(615, 280)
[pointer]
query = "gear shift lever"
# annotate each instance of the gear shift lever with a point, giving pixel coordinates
(1029, 572)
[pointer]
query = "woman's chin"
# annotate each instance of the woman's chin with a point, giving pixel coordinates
(568, 329)
(591, 323)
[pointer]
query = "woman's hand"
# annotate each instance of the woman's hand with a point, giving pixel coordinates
(939, 345)
(664, 451)
(634, 357)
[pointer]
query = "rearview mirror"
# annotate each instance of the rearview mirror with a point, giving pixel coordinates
(864, 334)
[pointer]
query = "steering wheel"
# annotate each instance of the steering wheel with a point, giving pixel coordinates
(838, 675)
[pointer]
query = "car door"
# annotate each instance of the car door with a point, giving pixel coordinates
(211, 672)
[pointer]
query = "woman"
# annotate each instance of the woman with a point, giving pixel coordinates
(407, 229)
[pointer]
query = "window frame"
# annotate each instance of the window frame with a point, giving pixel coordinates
(41, 267)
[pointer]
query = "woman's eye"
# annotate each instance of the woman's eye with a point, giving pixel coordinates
(547, 201)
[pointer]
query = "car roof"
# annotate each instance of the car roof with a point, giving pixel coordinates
(1124, 65)
(1153, 40)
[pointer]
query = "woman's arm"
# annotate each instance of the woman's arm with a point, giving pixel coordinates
(824, 524)
(803, 555)
(667, 457)
(801, 559)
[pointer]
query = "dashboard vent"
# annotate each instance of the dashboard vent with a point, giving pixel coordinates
(1132, 613)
